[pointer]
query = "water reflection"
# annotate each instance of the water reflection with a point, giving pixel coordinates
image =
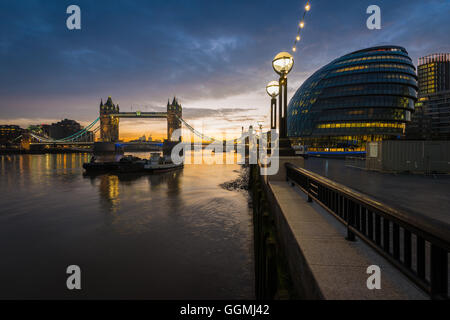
(173, 235)
(109, 192)
(109, 185)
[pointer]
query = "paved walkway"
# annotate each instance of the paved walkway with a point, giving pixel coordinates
(418, 194)
(337, 266)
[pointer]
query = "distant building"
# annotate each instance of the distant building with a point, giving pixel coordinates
(88, 137)
(66, 128)
(140, 139)
(63, 129)
(9, 134)
(431, 121)
(420, 126)
(42, 130)
(367, 95)
(434, 73)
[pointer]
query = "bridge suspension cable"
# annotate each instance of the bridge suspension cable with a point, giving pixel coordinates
(70, 138)
(198, 133)
(81, 132)
(205, 137)
(11, 141)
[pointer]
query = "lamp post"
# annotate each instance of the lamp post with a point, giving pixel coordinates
(282, 64)
(273, 89)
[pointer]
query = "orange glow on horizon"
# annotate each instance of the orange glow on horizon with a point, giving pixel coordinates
(128, 136)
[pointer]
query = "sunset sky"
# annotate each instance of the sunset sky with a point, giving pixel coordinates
(215, 55)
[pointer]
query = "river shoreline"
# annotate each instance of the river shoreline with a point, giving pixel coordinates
(48, 151)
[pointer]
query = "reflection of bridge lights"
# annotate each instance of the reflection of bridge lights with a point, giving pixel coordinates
(113, 187)
(109, 188)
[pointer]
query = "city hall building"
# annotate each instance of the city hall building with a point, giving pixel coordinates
(367, 95)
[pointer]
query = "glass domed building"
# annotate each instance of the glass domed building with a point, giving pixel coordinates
(367, 95)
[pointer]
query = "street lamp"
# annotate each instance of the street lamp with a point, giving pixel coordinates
(273, 89)
(282, 64)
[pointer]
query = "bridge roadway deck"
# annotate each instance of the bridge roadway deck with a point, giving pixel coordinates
(63, 143)
(139, 114)
(322, 262)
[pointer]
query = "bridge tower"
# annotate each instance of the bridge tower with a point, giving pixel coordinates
(174, 110)
(109, 124)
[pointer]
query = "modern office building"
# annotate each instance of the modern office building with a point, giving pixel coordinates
(419, 128)
(432, 119)
(434, 73)
(367, 95)
(9, 134)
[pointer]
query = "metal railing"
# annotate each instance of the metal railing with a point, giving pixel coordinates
(418, 246)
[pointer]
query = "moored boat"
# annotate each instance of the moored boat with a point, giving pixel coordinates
(155, 164)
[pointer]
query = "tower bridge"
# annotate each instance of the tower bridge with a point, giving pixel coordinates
(110, 115)
(108, 125)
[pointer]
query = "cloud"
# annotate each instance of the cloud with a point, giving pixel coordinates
(228, 114)
(213, 54)
(199, 113)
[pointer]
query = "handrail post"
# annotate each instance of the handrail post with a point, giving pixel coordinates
(287, 175)
(350, 221)
(308, 183)
(438, 272)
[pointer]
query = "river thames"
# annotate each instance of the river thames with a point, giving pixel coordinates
(166, 236)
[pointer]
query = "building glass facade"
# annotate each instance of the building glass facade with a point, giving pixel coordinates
(367, 95)
(434, 73)
(432, 119)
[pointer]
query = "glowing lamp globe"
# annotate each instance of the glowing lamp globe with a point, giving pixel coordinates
(273, 88)
(283, 63)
